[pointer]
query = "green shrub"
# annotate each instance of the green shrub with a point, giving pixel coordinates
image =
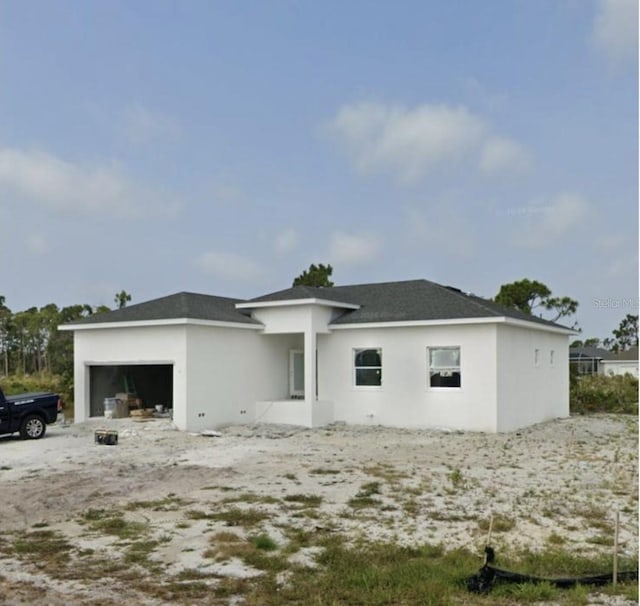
(25, 383)
(599, 393)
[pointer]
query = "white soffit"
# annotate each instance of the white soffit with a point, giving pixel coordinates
(454, 322)
(297, 302)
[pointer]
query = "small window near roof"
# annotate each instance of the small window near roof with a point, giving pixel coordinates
(444, 367)
(552, 356)
(536, 357)
(367, 365)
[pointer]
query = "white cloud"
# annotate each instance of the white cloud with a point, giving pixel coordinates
(63, 186)
(228, 265)
(409, 142)
(286, 241)
(142, 125)
(412, 143)
(348, 249)
(504, 156)
(37, 244)
(615, 29)
(544, 224)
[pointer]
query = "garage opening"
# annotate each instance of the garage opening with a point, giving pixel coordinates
(152, 384)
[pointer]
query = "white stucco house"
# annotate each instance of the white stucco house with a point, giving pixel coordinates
(405, 354)
(622, 363)
(599, 361)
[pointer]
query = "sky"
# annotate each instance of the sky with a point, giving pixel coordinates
(221, 147)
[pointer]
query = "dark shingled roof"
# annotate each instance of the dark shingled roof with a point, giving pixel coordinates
(576, 353)
(181, 305)
(406, 301)
(582, 353)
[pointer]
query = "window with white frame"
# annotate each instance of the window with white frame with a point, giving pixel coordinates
(444, 366)
(367, 367)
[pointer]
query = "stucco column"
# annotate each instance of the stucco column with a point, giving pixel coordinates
(310, 366)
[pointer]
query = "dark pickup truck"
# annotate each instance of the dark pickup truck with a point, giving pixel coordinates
(28, 413)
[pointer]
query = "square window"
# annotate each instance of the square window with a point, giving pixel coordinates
(367, 365)
(444, 367)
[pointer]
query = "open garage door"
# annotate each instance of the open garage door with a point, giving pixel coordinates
(152, 383)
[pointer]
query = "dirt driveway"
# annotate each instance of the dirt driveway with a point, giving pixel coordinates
(68, 502)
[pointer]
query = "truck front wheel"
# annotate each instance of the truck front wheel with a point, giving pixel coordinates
(33, 427)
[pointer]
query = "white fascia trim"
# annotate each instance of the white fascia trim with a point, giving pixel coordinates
(557, 329)
(170, 322)
(297, 302)
(410, 323)
(452, 322)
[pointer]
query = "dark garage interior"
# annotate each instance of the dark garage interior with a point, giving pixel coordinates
(151, 383)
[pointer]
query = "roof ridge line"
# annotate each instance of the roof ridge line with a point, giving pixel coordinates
(470, 299)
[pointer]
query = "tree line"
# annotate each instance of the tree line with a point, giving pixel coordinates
(30, 342)
(531, 297)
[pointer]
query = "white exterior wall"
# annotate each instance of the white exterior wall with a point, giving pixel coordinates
(530, 393)
(127, 346)
(405, 398)
(619, 367)
(293, 318)
(304, 322)
(218, 372)
(225, 375)
(229, 370)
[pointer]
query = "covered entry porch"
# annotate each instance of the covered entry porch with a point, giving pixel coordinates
(300, 404)
(301, 320)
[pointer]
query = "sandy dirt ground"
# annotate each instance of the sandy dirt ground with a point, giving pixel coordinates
(560, 482)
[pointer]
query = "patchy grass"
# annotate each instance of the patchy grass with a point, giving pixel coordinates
(140, 552)
(324, 471)
(371, 573)
(169, 503)
(253, 498)
(457, 478)
(46, 548)
(113, 523)
(263, 542)
(365, 497)
(501, 523)
(236, 516)
(386, 472)
(308, 500)
(595, 516)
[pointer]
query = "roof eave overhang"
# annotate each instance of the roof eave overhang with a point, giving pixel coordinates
(455, 322)
(297, 302)
(165, 322)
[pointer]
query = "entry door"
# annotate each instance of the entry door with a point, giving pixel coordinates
(296, 373)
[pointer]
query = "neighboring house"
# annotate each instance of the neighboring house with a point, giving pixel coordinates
(598, 361)
(625, 362)
(588, 360)
(404, 354)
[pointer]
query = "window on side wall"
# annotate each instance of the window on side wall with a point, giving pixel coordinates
(552, 358)
(367, 367)
(444, 367)
(536, 357)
